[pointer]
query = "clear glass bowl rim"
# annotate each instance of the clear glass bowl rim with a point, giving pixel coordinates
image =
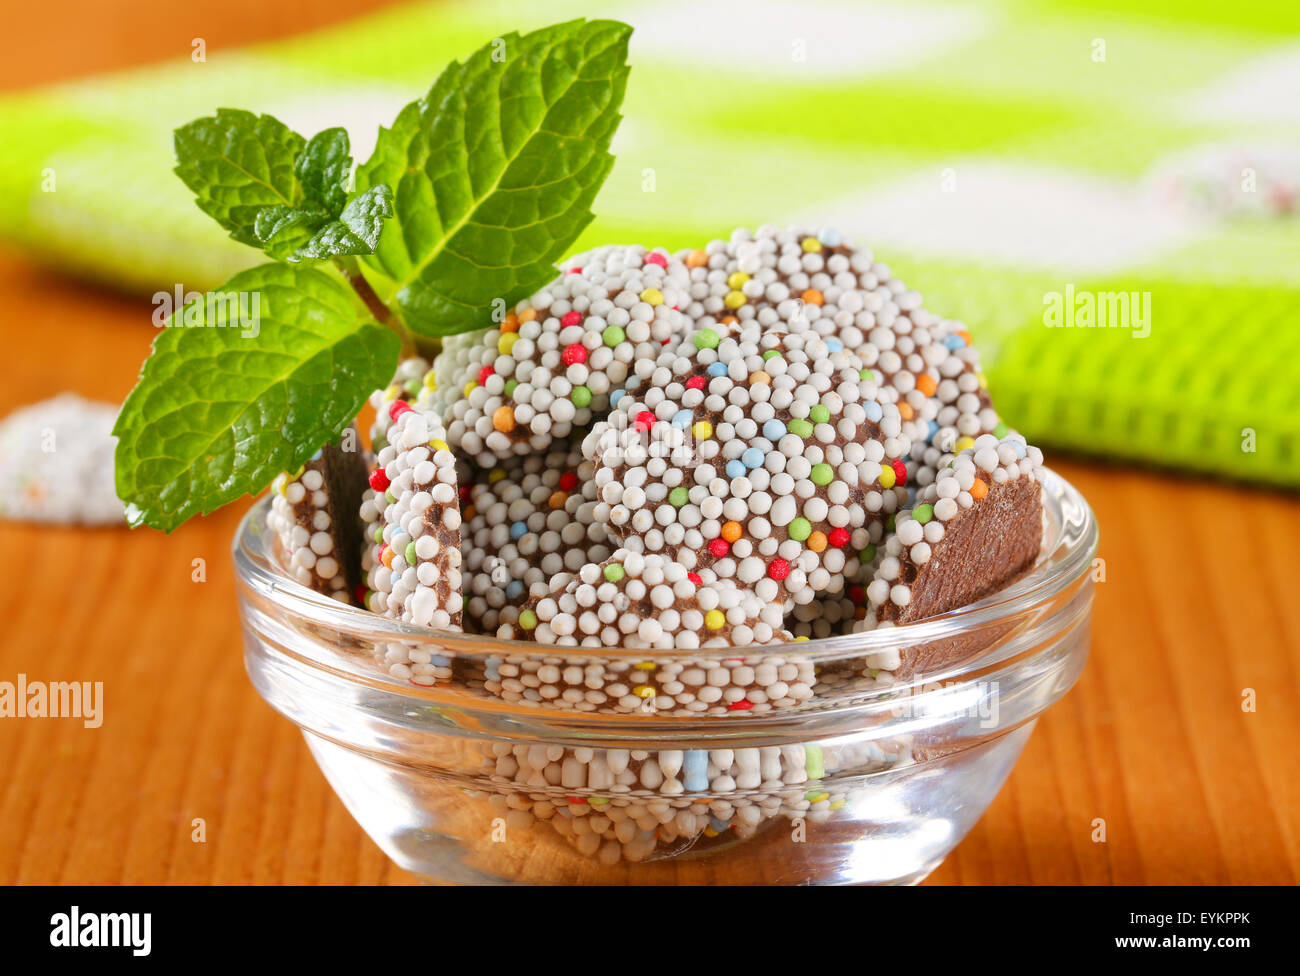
(1074, 534)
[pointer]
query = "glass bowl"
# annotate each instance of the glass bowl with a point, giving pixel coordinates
(865, 758)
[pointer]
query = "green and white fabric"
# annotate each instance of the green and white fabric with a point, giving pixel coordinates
(997, 155)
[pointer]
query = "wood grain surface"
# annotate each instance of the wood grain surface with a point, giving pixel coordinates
(1199, 603)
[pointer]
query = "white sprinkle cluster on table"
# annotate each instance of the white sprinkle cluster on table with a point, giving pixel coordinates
(530, 519)
(974, 475)
(56, 463)
(411, 509)
(552, 363)
(771, 459)
(626, 804)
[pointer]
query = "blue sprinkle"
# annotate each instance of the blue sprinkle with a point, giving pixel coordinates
(1018, 445)
(719, 825)
(834, 345)
(695, 764)
(873, 410)
(518, 530)
(682, 419)
(774, 430)
(717, 369)
(934, 429)
(514, 590)
(753, 457)
(319, 452)
(615, 397)
(736, 469)
(829, 236)
(439, 661)
(953, 342)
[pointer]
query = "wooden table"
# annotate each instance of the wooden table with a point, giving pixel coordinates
(1198, 604)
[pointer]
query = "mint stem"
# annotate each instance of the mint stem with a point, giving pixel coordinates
(351, 271)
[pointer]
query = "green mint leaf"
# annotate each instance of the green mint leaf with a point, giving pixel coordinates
(238, 163)
(282, 230)
(494, 171)
(233, 394)
(357, 229)
(323, 168)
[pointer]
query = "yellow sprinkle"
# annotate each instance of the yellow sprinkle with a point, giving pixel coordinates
(390, 394)
(737, 280)
(281, 484)
(645, 666)
(734, 299)
(887, 476)
(798, 639)
(469, 387)
(438, 445)
(818, 797)
(430, 381)
(812, 245)
(984, 381)
(643, 691)
(652, 296)
(710, 832)
(496, 475)
(759, 377)
(714, 619)
(702, 430)
(838, 803)
(963, 443)
(507, 342)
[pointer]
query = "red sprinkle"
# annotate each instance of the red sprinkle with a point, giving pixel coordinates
(743, 705)
(379, 479)
(575, 271)
(857, 594)
(696, 383)
(654, 257)
(719, 547)
(398, 408)
(465, 492)
(644, 420)
(568, 481)
(900, 472)
(576, 353)
(577, 799)
(839, 537)
(571, 318)
(483, 375)
(778, 569)
(695, 578)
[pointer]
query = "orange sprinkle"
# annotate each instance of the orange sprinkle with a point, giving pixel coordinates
(727, 320)
(558, 499)
(503, 419)
(761, 376)
(697, 259)
(979, 489)
(468, 513)
(817, 542)
(731, 531)
(965, 336)
(812, 297)
(511, 323)
(926, 384)
(527, 315)
(387, 557)
(905, 409)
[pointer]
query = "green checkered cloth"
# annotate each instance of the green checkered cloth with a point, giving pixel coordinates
(996, 155)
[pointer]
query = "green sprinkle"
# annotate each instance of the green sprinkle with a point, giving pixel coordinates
(612, 335)
(581, 397)
(867, 554)
(510, 386)
(378, 534)
(598, 801)
(527, 619)
(770, 354)
(1001, 430)
(388, 497)
(822, 474)
(799, 529)
(412, 387)
(923, 513)
(814, 764)
(679, 496)
(889, 524)
(866, 374)
(614, 572)
(706, 339)
(409, 554)
(378, 444)
(800, 427)
(819, 414)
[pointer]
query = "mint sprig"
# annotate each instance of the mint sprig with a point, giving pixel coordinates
(227, 401)
(494, 172)
(469, 199)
